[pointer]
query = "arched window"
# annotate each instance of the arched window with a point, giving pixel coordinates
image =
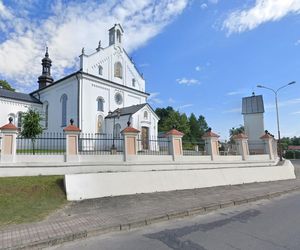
(119, 36)
(100, 70)
(63, 100)
(100, 104)
(118, 70)
(145, 115)
(99, 124)
(19, 124)
(46, 110)
(117, 130)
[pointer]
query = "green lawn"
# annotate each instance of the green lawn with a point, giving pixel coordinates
(28, 199)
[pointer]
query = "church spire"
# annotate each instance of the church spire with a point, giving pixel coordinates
(45, 79)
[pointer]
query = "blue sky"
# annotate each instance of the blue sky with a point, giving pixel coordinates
(198, 56)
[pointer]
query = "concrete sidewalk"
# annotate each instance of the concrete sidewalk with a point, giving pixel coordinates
(97, 216)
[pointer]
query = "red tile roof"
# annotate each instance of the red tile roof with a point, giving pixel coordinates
(9, 126)
(210, 134)
(240, 136)
(130, 130)
(174, 132)
(72, 128)
(293, 147)
(266, 136)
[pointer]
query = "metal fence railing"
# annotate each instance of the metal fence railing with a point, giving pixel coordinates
(100, 144)
(44, 144)
(153, 146)
(193, 147)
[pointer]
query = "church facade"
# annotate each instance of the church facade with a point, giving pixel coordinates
(103, 97)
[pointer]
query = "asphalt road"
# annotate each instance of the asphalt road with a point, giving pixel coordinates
(262, 225)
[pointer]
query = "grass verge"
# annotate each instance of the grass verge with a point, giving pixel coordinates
(29, 199)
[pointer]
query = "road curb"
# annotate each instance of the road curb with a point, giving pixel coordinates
(148, 221)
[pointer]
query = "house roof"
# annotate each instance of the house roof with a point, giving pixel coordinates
(127, 110)
(253, 104)
(18, 96)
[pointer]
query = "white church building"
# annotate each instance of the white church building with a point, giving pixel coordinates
(102, 97)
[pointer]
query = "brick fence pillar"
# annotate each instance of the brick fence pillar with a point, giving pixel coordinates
(211, 143)
(175, 139)
(130, 141)
(8, 144)
(72, 132)
(269, 148)
(242, 145)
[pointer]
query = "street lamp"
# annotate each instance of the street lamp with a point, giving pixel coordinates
(277, 114)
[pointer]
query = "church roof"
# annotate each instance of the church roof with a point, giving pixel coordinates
(18, 96)
(127, 110)
(253, 104)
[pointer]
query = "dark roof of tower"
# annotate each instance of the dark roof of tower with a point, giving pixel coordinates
(18, 96)
(253, 104)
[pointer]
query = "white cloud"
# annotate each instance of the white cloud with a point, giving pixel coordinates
(153, 98)
(198, 68)
(297, 42)
(187, 82)
(184, 106)
(171, 100)
(66, 30)
(237, 92)
(290, 102)
(296, 113)
(263, 11)
(213, 1)
(234, 110)
(203, 6)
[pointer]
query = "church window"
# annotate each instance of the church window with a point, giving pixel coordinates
(133, 82)
(118, 70)
(46, 114)
(19, 124)
(145, 115)
(117, 131)
(63, 101)
(118, 98)
(99, 124)
(100, 70)
(100, 104)
(119, 36)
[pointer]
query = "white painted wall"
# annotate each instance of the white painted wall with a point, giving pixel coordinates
(254, 126)
(106, 58)
(9, 107)
(95, 185)
(52, 95)
(93, 88)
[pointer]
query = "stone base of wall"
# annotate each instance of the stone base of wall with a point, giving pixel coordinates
(95, 185)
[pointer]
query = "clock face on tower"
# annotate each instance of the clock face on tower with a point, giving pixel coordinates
(118, 98)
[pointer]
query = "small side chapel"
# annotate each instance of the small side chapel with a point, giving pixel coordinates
(105, 95)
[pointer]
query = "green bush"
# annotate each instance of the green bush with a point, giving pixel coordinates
(292, 154)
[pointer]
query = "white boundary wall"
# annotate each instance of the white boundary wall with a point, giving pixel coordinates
(95, 185)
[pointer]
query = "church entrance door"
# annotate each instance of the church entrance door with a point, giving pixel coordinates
(145, 138)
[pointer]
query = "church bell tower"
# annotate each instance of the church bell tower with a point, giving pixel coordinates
(45, 79)
(115, 35)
